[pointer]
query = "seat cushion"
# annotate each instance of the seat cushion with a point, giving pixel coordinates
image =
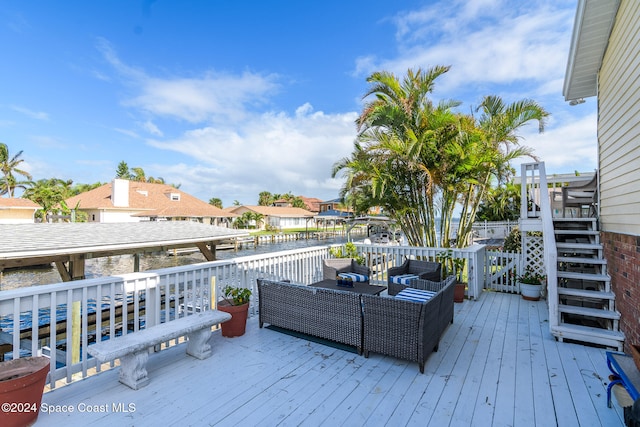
(403, 279)
(416, 295)
(354, 277)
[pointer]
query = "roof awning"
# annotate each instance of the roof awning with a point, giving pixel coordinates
(32, 244)
(591, 30)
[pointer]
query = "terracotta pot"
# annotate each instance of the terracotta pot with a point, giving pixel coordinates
(458, 292)
(530, 292)
(238, 323)
(21, 387)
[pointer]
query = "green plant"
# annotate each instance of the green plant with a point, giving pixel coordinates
(531, 277)
(513, 241)
(451, 265)
(236, 296)
(349, 250)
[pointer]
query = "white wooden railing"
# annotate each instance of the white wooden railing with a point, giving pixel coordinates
(535, 189)
(92, 309)
(148, 298)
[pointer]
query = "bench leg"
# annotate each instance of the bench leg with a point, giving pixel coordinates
(133, 369)
(198, 345)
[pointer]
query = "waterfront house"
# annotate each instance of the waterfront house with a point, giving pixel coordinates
(17, 211)
(132, 201)
(312, 204)
(604, 62)
(276, 217)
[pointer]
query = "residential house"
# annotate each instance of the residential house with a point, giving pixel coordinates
(312, 204)
(604, 62)
(132, 201)
(276, 217)
(17, 211)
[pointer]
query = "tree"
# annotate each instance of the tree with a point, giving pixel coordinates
(10, 166)
(214, 201)
(138, 175)
(82, 188)
(123, 171)
(420, 160)
(50, 194)
(265, 199)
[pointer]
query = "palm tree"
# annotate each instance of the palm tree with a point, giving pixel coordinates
(215, 201)
(396, 153)
(420, 160)
(50, 194)
(10, 166)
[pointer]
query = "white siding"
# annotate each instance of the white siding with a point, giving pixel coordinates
(619, 124)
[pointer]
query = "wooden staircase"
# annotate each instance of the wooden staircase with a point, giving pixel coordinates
(586, 304)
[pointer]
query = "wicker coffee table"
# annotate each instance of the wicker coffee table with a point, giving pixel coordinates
(360, 288)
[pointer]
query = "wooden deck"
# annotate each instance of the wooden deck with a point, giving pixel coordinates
(497, 365)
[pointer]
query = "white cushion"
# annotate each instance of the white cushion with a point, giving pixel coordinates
(417, 295)
(403, 279)
(354, 277)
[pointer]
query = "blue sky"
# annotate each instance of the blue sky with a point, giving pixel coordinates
(230, 98)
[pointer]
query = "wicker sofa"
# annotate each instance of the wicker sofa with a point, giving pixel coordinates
(378, 324)
(426, 270)
(323, 313)
(331, 267)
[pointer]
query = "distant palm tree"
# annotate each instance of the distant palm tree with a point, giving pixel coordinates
(10, 166)
(50, 194)
(214, 201)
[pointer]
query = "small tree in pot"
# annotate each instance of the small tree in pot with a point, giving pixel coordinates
(236, 303)
(453, 266)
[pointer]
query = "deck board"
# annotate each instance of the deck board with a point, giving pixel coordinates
(497, 365)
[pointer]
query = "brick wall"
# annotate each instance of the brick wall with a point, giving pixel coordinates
(622, 253)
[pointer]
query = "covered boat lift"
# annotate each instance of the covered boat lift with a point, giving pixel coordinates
(68, 245)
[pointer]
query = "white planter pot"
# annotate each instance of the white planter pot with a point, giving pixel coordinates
(530, 292)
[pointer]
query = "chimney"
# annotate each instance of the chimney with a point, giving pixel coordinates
(120, 193)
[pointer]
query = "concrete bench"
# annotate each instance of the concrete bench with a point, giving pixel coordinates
(133, 349)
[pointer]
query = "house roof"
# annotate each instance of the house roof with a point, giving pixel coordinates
(313, 204)
(152, 200)
(276, 211)
(29, 244)
(591, 30)
(17, 203)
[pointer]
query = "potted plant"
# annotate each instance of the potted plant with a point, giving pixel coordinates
(349, 250)
(531, 283)
(236, 303)
(21, 386)
(453, 266)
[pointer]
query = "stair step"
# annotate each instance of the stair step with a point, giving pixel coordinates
(573, 220)
(589, 334)
(588, 311)
(574, 232)
(579, 260)
(584, 276)
(586, 293)
(569, 245)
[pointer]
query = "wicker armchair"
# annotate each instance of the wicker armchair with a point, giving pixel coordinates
(447, 287)
(425, 270)
(405, 329)
(331, 268)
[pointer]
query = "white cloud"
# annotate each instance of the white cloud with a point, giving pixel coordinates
(570, 145)
(481, 45)
(150, 127)
(274, 152)
(38, 115)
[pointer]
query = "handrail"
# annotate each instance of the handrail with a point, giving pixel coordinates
(536, 183)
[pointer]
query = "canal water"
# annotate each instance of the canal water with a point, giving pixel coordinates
(107, 266)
